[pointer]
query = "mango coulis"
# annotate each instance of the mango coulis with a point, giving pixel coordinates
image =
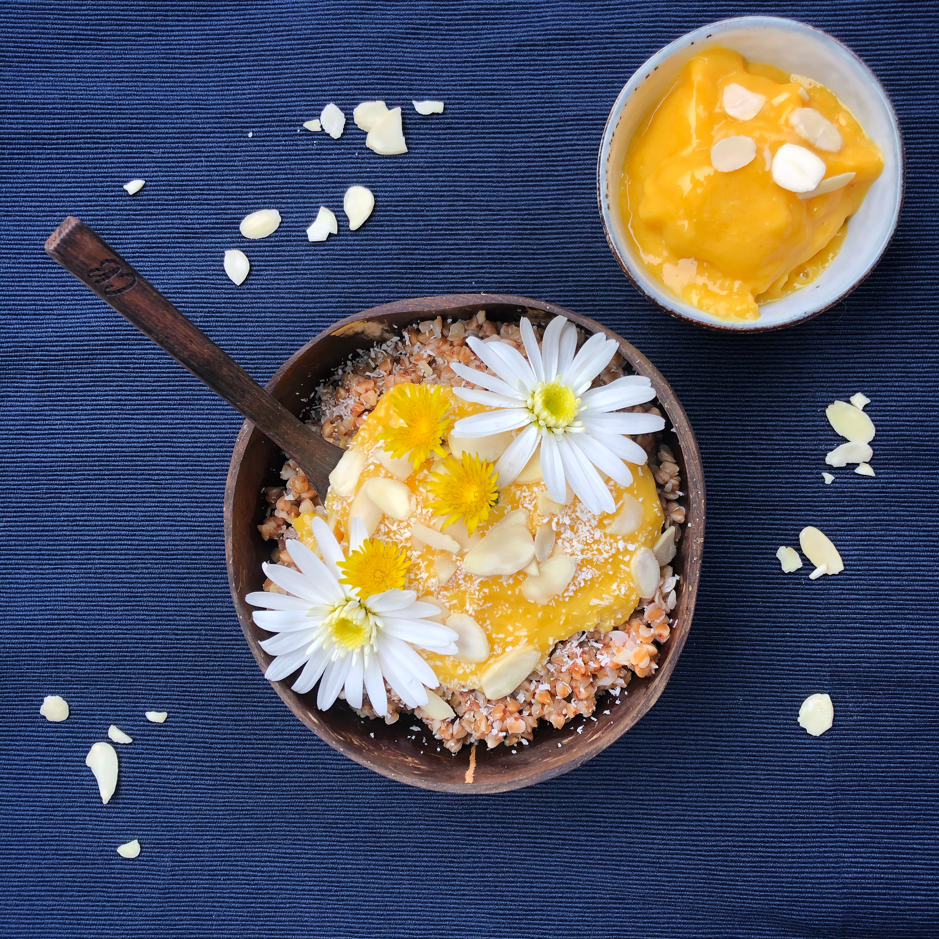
(726, 242)
(601, 595)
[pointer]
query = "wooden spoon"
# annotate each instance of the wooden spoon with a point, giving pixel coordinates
(97, 265)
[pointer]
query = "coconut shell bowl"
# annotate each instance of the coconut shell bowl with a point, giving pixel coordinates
(393, 751)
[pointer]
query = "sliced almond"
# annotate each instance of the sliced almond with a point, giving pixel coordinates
(817, 714)
(260, 224)
(472, 643)
(628, 517)
(665, 548)
(829, 479)
(797, 169)
(645, 571)
(515, 517)
(237, 266)
(544, 542)
(428, 107)
(547, 505)
(391, 496)
(358, 203)
(860, 401)
(502, 551)
(819, 571)
(313, 126)
(732, 153)
(780, 98)
(54, 708)
(362, 507)
(864, 469)
(803, 94)
(508, 671)
(399, 467)
(814, 127)
(850, 422)
(444, 567)
(789, 559)
(156, 717)
(323, 226)
(434, 539)
(820, 550)
(531, 471)
(459, 533)
(436, 708)
(102, 761)
(134, 186)
(552, 580)
(367, 113)
(118, 735)
(345, 474)
(740, 103)
(532, 570)
(485, 448)
(130, 849)
(387, 135)
(847, 453)
(333, 121)
(828, 185)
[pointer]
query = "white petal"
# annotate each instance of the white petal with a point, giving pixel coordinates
(277, 601)
(403, 684)
(485, 380)
(357, 533)
(492, 422)
(297, 622)
(312, 671)
(392, 600)
(584, 479)
(530, 341)
(332, 681)
(329, 547)
(603, 458)
(410, 660)
(594, 356)
(298, 584)
(552, 469)
(622, 393)
(513, 360)
(286, 642)
(422, 633)
(516, 457)
(375, 685)
(354, 681)
(417, 610)
(623, 447)
(567, 348)
(489, 398)
(285, 665)
(499, 363)
(618, 423)
(550, 347)
(315, 570)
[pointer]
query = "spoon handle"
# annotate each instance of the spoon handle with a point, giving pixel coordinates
(86, 255)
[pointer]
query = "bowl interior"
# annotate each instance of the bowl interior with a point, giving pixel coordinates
(395, 751)
(799, 49)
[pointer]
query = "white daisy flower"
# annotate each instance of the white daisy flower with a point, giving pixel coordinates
(347, 637)
(547, 398)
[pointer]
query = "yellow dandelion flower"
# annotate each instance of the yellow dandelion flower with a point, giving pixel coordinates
(375, 567)
(423, 408)
(466, 489)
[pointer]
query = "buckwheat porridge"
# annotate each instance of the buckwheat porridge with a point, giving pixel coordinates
(495, 546)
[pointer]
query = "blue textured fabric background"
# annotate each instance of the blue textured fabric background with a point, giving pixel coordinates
(717, 815)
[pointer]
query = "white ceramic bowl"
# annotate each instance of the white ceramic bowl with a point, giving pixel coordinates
(792, 47)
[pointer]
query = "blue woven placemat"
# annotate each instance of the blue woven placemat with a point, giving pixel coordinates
(717, 815)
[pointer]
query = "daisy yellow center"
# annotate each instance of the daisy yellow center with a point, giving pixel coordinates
(350, 627)
(465, 490)
(554, 404)
(375, 567)
(422, 409)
